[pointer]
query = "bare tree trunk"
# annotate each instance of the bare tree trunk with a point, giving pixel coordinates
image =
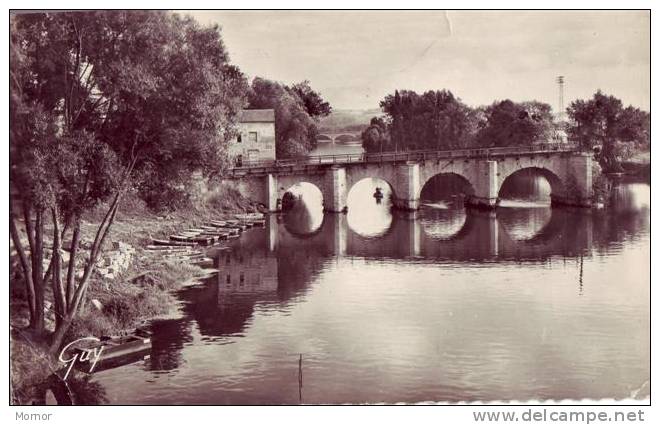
(97, 245)
(25, 265)
(81, 289)
(58, 336)
(37, 273)
(608, 159)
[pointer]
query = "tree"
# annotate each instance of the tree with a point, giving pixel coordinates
(96, 99)
(297, 109)
(314, 105)
(508, 123)
(603, 122)
(376, 137)
(434, 120)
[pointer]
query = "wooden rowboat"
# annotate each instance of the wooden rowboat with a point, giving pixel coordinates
(249, 216)
(163, 242)
(165, 248)
(117, 346)
(201, 240)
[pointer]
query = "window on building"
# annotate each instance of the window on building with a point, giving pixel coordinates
(239, 139)
(252, 136)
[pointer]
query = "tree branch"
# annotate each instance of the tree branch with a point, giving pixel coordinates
(72, 262)
(101, 233)
(29, 226)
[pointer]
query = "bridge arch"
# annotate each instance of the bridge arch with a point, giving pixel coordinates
(451, 178)
(388, 174)
(370, 216)
(557, 187)
(287, 183)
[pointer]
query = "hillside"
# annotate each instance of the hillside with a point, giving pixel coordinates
(348, 119)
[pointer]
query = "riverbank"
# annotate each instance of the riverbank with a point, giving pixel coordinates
(119, 302)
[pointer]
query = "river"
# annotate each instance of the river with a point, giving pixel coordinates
(526, 303)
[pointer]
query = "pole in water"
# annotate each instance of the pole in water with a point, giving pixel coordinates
(581, 273)
(300, 379)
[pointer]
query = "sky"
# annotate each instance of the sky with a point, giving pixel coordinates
(356, 58)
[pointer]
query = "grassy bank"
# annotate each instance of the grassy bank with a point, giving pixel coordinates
(141, 292)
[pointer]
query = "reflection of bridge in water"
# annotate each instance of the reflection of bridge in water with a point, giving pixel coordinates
(482, 236)
(270, 268)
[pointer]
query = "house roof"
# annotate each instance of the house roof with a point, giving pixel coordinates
(257, 115)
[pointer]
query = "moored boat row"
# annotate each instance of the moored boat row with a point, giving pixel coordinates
(214, 231)
(188, 246)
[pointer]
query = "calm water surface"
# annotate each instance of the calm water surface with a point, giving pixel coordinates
(442, 305)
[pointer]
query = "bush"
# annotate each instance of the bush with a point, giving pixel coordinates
(163, 197)
(600, 184)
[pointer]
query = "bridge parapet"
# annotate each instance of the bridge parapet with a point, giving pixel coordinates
(267, 166)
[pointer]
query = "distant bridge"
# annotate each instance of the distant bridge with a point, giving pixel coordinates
(334, 137)
(567, 169)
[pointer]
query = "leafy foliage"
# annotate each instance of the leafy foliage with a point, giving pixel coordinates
(314, 104)
(433, 120)
(96, 98)
(376, 137)
(437, 120)
(604, 123)
(508, 123)
(150, 85)
(297, 109)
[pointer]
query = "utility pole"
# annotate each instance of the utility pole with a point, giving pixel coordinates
(560, 82)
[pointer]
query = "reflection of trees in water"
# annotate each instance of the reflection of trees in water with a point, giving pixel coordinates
(632, 197)
(168, 338)
(220, 313)
(300, 219)
(558, 231)
(224, 304)
(523, 224)
(296, 268)
(443, 223)
(627, 218)
(613, 226)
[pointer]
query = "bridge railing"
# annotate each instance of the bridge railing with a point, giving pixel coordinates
(419, 155)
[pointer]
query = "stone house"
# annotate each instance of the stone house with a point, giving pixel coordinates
(256, 138)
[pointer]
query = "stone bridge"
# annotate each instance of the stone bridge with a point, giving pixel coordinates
(567, 170)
